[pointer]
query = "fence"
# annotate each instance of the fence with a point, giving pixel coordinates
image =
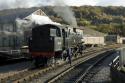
(117, 75)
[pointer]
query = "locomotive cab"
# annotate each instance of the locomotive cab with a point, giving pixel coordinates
(46, 40)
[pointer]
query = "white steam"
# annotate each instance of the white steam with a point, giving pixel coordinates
(37, 19)
(5, 33)
(25, 25)
(65, 12)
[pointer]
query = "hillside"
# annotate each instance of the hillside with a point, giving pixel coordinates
(105, 19)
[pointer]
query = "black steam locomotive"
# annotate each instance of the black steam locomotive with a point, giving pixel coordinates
(51, 40)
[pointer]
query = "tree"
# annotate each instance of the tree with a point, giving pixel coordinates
(84, 22)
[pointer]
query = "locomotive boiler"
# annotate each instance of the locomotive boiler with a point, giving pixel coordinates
(51, 40)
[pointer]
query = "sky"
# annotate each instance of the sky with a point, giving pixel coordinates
(7, 4)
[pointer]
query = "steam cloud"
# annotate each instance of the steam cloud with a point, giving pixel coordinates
(65, 12)
(7, 33)
(61, 8)
(24, 25)
(42, 20)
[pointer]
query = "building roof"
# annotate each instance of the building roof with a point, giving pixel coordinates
(11, 15)
(91, 32)
(37, 12)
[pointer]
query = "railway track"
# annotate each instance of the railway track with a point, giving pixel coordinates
(100, 73)
(54, 72)
(13, 61)
(75, 73)
(32, 74)
(88, 76)
(29, 73)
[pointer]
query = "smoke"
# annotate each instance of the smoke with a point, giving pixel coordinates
(22, 25)
(60, 7)
(65, 12)
(25, 25)
(42, 20)
(7, 33)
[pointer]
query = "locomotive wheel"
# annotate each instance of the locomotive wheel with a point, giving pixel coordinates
(40, 61)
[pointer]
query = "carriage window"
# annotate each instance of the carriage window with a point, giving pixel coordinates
(53, 32)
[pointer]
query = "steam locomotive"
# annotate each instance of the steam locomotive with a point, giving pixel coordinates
(49, 40)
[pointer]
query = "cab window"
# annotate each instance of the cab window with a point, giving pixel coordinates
(53, 32)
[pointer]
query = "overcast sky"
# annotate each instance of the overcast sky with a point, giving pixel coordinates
(7, 4)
